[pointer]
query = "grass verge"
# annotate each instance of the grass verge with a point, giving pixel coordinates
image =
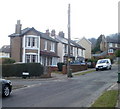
(107, 99)
(83, 73)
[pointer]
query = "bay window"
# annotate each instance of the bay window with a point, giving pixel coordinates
(31, 58)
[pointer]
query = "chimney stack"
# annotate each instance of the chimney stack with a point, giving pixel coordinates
(18, 27)
(61, 34)
(53, 33)
(47, 32)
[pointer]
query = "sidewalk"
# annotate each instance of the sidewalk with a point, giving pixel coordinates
(63, 76)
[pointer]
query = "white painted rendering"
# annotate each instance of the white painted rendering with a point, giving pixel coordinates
(36, 47)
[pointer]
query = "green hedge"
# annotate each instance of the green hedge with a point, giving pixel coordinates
(34, 69)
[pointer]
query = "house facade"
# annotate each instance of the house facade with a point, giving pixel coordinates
(77, 52)
(87, 45)
(32, 46)
(112, 46)
(5, 51)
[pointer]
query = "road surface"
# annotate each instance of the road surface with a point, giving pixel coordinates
(79, 91)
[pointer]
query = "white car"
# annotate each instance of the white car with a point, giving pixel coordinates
(103, 64)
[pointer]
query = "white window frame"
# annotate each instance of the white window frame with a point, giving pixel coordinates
(110, 45)
(110, 50)
(31, 54)
(29, 41)
(25, 47)
(116, 45)
(52, 48)
(45, 45)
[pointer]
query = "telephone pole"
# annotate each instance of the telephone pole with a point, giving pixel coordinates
(69, 71)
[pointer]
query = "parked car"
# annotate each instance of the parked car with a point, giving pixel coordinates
(6, 87)
(103, 64)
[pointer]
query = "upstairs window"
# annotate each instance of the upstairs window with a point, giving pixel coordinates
(110, 45)
(71, 50)
(110, 51)
(77, 52)
(65, 48)
(116, 45)
(45, 45)
(32, 42)
(52, 47)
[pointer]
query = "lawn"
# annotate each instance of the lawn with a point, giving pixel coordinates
(107, 99)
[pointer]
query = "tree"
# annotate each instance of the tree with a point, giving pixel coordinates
(117, 53)
(97, 45)
(7, 61)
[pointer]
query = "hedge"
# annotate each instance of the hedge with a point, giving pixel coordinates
(60, 64)
(34, 69)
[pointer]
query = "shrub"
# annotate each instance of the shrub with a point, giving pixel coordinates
(34, 69)
(7, 61)
(117, 53)
(60, 64)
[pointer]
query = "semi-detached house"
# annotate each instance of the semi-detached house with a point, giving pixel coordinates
(77, 52)
(32, 46)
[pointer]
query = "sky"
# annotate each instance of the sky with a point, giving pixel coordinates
(89, 18)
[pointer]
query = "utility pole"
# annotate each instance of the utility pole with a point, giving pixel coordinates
(69, 72)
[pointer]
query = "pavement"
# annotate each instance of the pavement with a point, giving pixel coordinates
(63, 76)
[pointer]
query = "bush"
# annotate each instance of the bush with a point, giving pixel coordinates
(34, 69)
(7, 61)
(60, 64)
(117, 53)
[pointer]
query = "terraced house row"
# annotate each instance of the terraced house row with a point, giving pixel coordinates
(32, 46)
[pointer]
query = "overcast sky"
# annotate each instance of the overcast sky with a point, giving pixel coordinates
(89, 18)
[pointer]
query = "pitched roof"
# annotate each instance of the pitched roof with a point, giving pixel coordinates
(65, 41)
(110, 40)
(84, 39)
(26, 30)
(5, 49)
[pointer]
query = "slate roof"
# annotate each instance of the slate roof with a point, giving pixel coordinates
(100, 54)
(26, 30)
(65, 41)
(111, 40)
(5, 49)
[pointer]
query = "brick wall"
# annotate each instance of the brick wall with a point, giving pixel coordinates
(75, 68)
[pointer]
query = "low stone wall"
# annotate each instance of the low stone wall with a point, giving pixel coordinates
(75, 68)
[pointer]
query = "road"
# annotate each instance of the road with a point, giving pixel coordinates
(79, 91)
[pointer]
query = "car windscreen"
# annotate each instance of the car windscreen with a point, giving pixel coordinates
(102, 61)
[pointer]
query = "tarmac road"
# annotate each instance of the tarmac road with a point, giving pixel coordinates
(79, 91)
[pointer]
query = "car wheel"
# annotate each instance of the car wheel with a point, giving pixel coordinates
(6, 91)
(96, 69)
(110, 68)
